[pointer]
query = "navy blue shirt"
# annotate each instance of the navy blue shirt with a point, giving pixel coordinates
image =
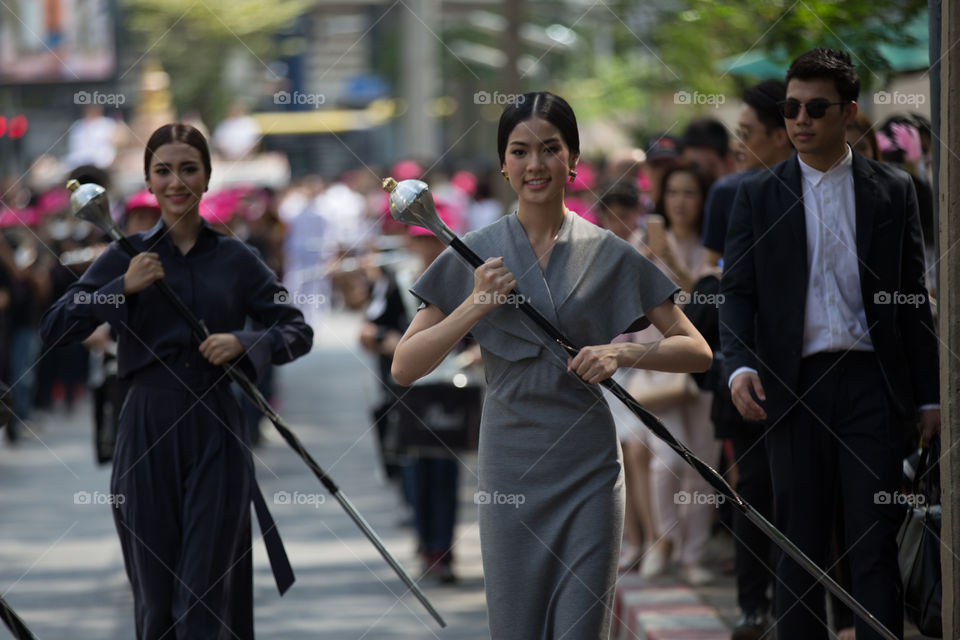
(719, 206)
(221, 279)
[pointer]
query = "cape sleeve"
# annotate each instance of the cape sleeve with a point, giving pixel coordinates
(642, 286)
(446, 283)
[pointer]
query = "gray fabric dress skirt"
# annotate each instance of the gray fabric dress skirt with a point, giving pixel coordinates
(551, 484)
(552, 507)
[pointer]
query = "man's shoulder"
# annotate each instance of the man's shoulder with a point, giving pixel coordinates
(885, 173)
(773, 177)
(724, 190)
(731, 182)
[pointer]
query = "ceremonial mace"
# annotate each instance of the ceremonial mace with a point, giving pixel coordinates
(89, 202)
(412, 204)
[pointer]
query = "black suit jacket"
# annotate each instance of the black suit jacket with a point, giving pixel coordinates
(765, 283)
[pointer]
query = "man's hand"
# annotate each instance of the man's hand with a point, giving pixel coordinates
(220, 347)
(929, 425)
(745, 386)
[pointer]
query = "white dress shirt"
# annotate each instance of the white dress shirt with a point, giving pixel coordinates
(834, 318)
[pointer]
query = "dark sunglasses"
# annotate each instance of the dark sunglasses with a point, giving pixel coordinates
(816, 108)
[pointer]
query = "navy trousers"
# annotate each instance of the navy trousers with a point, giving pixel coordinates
(182, 492)
(842, 437)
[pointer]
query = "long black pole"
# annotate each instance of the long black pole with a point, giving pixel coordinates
(706, 471)
(14, 623)
(201, 332)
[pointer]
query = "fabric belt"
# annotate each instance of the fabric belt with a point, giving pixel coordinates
(279, 562)
(162, 376)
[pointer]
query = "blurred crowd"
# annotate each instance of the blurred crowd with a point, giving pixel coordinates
(334, 245)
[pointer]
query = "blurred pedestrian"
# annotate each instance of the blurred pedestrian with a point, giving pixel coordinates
(901, 144)
(29, 289)
(430, 474)
(620, 211)
(706, 142)
(863, 138)
(486, 209)
(237, 135)
(662, 152)
(683, 511)
(673, 236)
(93, 139)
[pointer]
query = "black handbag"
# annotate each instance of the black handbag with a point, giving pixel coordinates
(919, 547)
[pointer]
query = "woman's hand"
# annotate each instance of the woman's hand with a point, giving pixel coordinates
(144, 270)
(492, 282)
(595, 364)
(220, 347)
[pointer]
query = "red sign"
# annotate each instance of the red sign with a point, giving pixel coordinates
(18, 126)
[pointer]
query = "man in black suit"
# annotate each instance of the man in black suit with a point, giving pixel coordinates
(827, 336)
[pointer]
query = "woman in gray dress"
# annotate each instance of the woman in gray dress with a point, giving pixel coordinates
(551, 483)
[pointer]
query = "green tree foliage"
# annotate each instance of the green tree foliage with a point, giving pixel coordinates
(660, 47)
(694, 34)
(192, 40)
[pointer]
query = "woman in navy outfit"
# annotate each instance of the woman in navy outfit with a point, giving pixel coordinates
(183, 475)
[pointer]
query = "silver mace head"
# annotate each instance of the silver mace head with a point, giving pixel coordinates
(89, 202)
(412, 204)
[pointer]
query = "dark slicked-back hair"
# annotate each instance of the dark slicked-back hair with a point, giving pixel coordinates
(622, 193)
(177, 132)
(763, 99)
(543, 105)
(827, 63)
(707, 133)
